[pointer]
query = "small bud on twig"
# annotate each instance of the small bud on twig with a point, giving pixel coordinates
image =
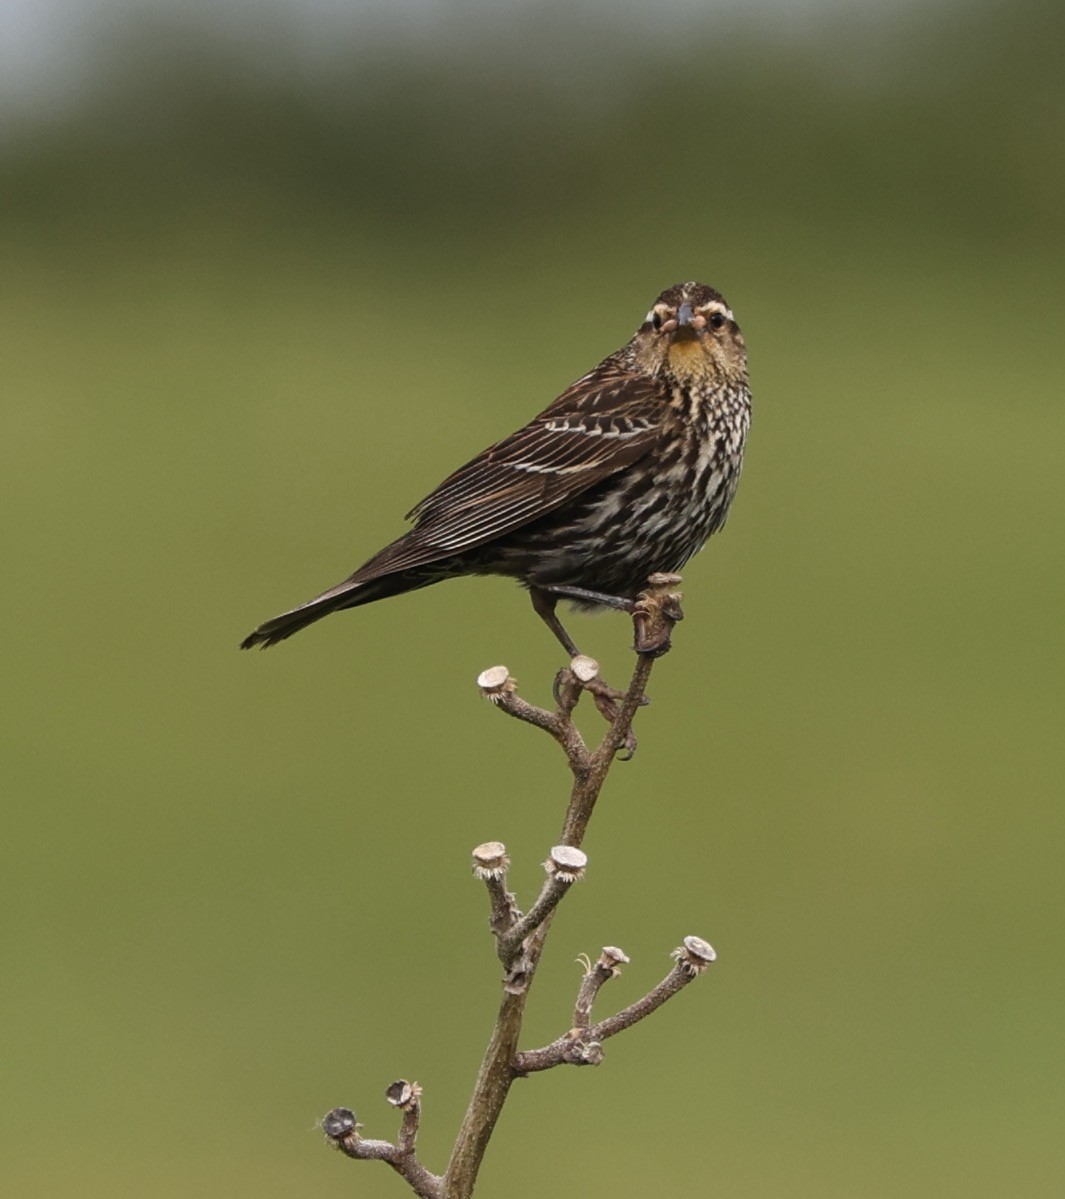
(695, 955)
(589, 1053)
(490, 860)
(566, 864)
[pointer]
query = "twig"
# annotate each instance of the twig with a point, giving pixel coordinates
(658, 610)
(341, 1130)
(565, 866)
(498, 687)
(520, 938)
(407, 1096)
(581, 1046)
(490, 865)
(607, 967)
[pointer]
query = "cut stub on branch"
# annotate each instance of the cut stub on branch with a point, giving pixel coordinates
(520, 938)
(585, 669)
(611, 960)
(595, 976)
(490, 860)
(403, 1094)
(582, 1044)
(566, 863)
(339, 1124)
(657, 611)
(495, 682)
(582, 674)
(490, 865)
(341, 1130)
(695, 955)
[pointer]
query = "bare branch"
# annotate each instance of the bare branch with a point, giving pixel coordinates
(657, 612)
(497, 686)
(572, 681)
(490, 864)
(582, 1046)
(565, 866)
(520, 939)
(607, 967)
(407, 1097)
(342, 1132)
(489, 1094)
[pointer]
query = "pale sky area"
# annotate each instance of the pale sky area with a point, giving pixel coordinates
(47, 46)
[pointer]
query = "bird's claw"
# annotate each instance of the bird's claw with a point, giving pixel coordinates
(606, 700)
(602, 690)
(582, 675)
(627, 750)
(655, 613)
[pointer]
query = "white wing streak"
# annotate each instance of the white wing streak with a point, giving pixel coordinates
(602, 424)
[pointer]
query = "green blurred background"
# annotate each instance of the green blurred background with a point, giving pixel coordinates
(267, 276)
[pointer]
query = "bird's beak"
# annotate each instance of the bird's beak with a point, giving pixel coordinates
(685, 330)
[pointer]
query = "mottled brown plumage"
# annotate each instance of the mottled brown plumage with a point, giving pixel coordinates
(627, 473)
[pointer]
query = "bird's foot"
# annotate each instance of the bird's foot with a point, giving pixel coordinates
(582, 674)
(655, 613)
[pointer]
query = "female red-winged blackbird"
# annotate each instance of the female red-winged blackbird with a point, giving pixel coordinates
(626, 474)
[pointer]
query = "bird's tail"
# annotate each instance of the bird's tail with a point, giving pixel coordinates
(349, 594)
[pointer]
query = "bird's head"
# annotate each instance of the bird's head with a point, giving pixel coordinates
(691, 336)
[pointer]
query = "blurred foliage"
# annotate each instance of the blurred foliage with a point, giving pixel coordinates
(253, 311)
(951, 120)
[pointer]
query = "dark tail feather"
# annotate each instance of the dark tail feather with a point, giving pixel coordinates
(349, 594)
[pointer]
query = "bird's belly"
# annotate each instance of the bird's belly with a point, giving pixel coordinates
(623, 530)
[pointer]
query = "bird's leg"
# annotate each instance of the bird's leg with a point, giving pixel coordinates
(544, 602)
(544, 605)
(592, 597)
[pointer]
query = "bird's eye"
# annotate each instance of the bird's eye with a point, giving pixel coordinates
(656, 321)
(716, 320)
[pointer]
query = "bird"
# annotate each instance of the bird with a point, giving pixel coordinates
(626, 474)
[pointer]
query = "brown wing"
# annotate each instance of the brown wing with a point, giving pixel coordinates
(606, 421)
(602, 424)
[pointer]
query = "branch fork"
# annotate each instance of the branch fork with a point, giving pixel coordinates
(582, 1044)
(520, 937)
(342, 1131)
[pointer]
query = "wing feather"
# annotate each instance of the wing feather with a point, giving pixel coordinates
(602, 424)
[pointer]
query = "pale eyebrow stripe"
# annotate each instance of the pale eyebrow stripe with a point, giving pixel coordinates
(717, 306)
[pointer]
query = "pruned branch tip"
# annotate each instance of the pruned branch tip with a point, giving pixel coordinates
(520, 938)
